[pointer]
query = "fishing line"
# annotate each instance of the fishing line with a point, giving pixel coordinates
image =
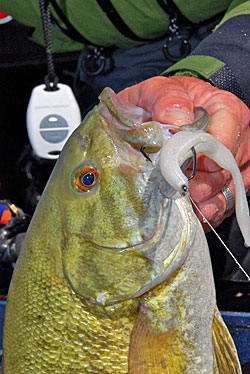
(211, 227)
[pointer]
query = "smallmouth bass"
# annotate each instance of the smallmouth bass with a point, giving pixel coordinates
(115, 274)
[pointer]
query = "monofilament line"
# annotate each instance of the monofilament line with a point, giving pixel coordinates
(211, 227)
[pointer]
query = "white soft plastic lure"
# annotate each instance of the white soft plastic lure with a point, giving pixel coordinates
(177, 149)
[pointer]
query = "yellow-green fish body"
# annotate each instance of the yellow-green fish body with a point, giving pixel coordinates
(115, 274)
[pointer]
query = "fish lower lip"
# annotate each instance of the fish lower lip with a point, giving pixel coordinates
(131, 246)
(119, 248)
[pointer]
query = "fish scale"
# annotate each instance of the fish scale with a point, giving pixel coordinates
(80, 322)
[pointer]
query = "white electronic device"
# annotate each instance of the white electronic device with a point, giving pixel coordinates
(51, 118)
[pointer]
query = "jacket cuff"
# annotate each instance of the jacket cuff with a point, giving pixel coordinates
(202, 67)
(209, 69)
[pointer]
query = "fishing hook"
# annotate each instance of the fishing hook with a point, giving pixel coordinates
(194, 164)
(185, 187)
(145, 154)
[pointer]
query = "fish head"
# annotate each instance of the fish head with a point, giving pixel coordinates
(119, 223)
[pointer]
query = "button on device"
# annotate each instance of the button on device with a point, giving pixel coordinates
(54, 136)
(51, 123)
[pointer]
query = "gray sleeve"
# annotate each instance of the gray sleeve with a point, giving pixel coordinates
(230, 43)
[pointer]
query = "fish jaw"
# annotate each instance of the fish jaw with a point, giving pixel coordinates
(131, 123)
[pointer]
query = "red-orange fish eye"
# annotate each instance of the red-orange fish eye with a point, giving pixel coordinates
(86, 178)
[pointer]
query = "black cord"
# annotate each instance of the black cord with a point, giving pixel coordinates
(51, 79)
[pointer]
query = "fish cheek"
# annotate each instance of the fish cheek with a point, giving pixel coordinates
(104, 276)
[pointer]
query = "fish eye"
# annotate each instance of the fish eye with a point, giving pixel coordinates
(86, 178)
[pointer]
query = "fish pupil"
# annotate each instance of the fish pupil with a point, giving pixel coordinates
(88, 179)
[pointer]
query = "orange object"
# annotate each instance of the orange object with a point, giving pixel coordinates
(5, 215)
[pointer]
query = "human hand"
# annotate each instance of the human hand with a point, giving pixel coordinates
(172, 100)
